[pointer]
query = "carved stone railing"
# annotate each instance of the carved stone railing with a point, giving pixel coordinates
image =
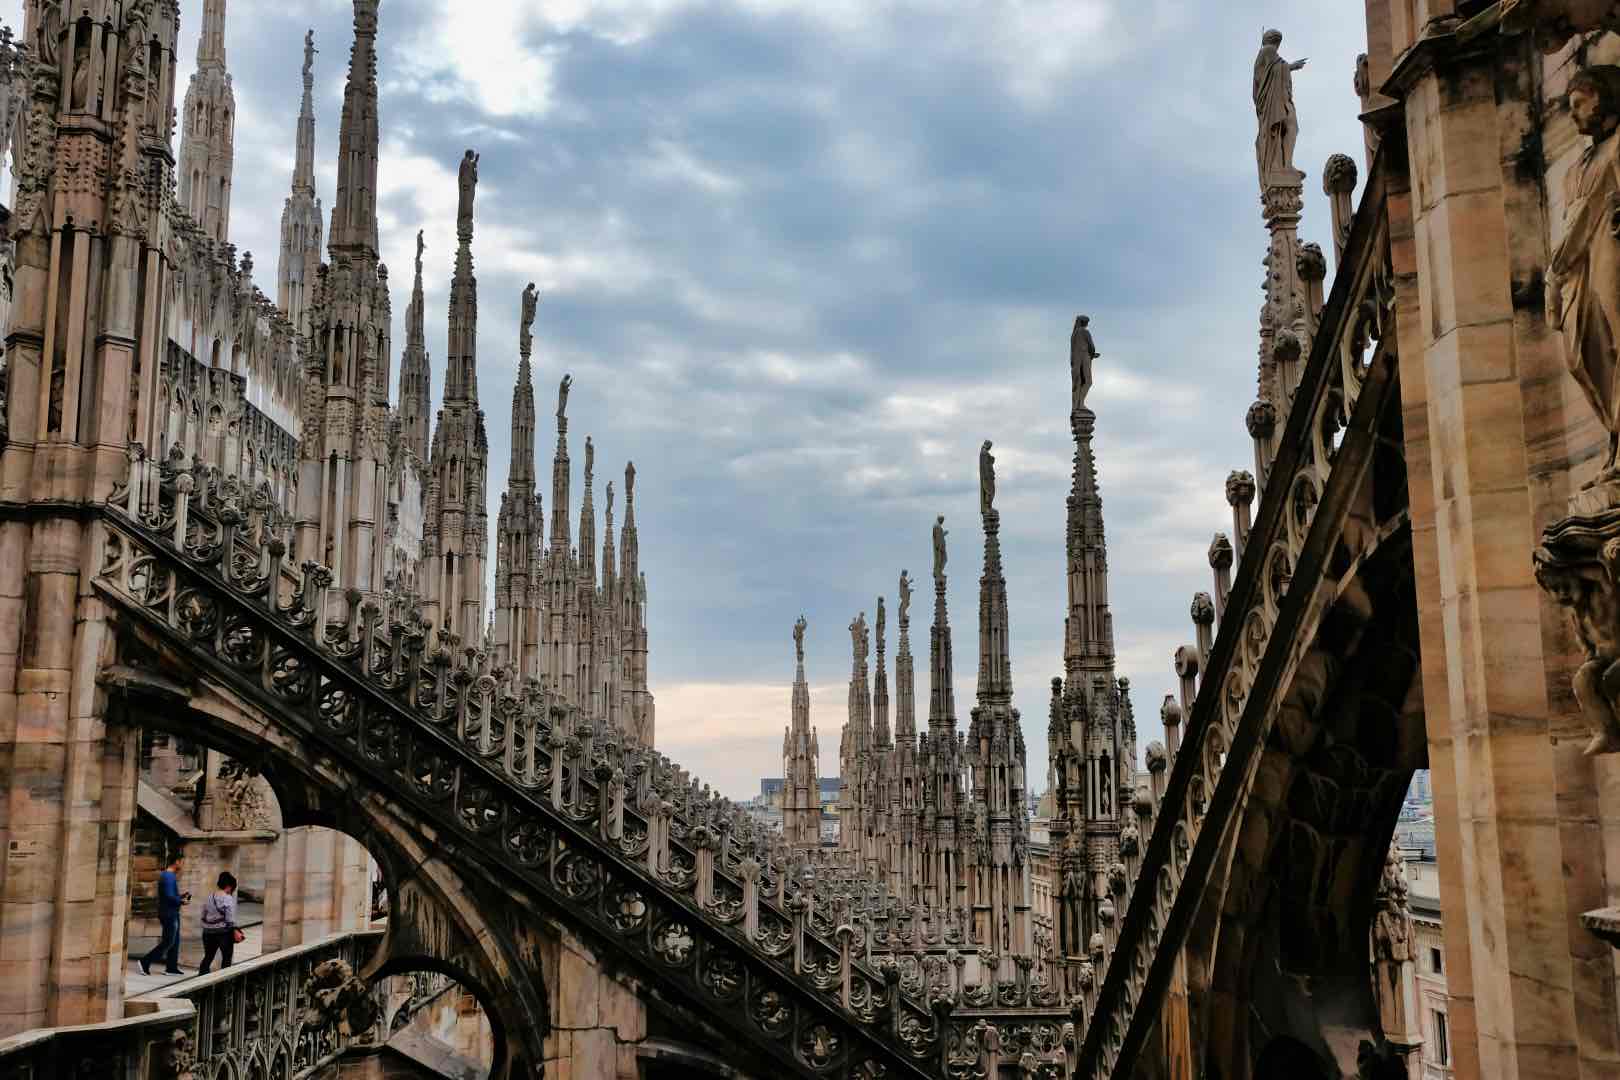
(609, 836)
(1295, 559)
(251, 1019)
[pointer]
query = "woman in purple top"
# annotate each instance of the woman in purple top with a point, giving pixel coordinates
(219, 932)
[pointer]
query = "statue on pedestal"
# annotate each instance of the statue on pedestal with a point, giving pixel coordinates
(467, 183)
(987, 479)
(1274, 108)
(1082, 351)
(939, 549)
(531, 300)
(1578, 561)
(798, 638)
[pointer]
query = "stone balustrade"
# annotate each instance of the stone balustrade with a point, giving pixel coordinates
(255, 1018)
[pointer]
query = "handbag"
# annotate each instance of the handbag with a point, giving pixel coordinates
(237, 936)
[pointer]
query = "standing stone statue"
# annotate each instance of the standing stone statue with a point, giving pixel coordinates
(531, 300)
(562, 396)
(468, 184)
(987, 480)
(1274, 107)
(630, 484)
(857, 638)
(1584, 276)
(309, 54)
(798, 638)
(939, 549)
(905, 598)
(420, 246)
(1082, 351)
(880, 620)
(1578, 560)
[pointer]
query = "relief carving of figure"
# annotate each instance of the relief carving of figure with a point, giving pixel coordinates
(939, 549)
(48, 32)
(987, 479)
(798, 638)
(1583, 280)
(1274, 108)
(467, 182)
(1082, 351)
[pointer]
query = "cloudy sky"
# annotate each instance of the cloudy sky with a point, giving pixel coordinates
(802, 257)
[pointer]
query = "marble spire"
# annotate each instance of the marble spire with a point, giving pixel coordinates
(1088, 628)
(208, 126)
(415, 371)
(905, 714)
(801, 785)
(880, 688)
(300, 254)
(995, 661)
(354, 211)
(941, 695)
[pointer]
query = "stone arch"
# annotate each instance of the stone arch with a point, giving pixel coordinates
(438, 917)
(1307, 852)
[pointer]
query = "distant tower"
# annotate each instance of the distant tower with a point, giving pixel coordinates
(301, 214)
(207, 128)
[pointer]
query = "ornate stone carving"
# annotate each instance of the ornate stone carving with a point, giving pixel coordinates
(987, 479)
(338, 999)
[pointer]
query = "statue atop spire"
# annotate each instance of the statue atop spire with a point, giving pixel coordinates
(1274, 108)
(421, 246)
(905, 599)
(562, 399)
(939, 551)
(467, 182)
(1082, 351)
(881, 622)
(309, 59)
(859, 640)
(798, 638)
(987, 480)
(531, 300)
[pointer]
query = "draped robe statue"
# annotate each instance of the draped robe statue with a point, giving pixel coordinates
(1584, 274)
(1274, 108)
(987, 479)
(939, 549)
(467, 183)
(798, 638)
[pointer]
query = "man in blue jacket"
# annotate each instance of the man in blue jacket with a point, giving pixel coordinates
(170, 901)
